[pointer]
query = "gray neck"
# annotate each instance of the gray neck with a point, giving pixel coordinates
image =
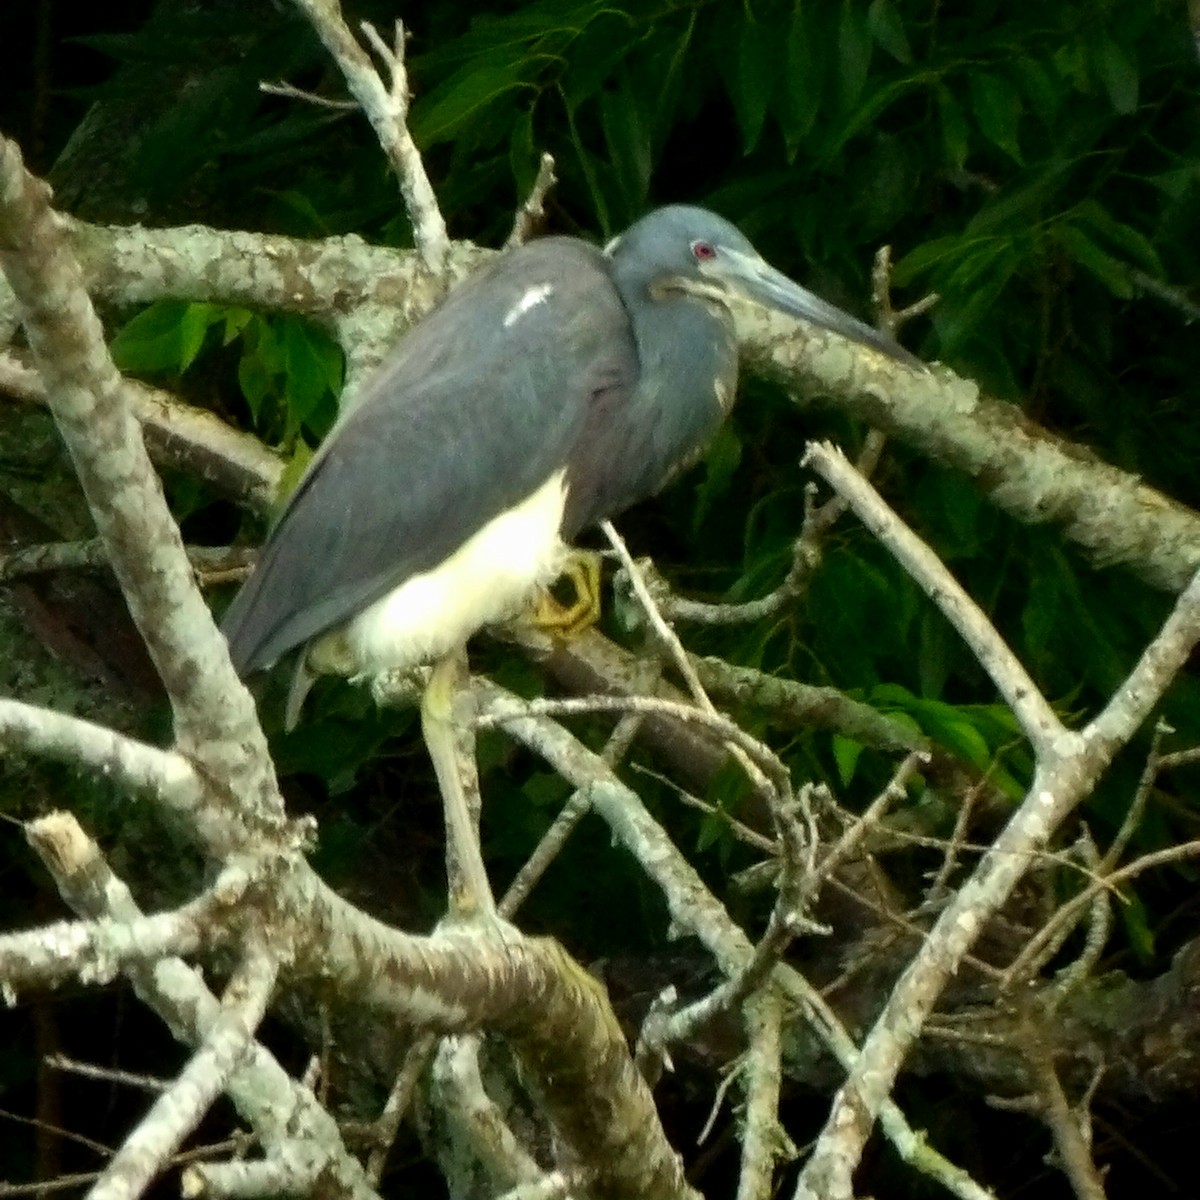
(687, 356)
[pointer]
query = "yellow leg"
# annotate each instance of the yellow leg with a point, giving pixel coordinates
(451, 747)
(570, 619)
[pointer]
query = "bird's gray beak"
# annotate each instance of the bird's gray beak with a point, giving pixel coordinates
(755, 279)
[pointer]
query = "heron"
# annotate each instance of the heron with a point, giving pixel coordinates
(548, 392)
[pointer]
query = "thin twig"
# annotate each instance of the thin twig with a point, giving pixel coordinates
(555, 838)
(386, 107)
(93, 555)
(294, 93)
(888, 318)
(1070, 1131)
(1068, 913)
(763, 1139)
(786, 922)
(148, 1148)
(532, 211)
(806, 557)
(387, 1124)
(761, 754)
(853, 836)
(1029, 706)
(145, 1083)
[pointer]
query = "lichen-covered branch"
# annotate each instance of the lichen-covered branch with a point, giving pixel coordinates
(215, 721)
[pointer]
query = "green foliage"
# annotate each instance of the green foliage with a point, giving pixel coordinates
(289, 372)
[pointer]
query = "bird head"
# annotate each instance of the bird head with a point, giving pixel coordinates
(689, 250)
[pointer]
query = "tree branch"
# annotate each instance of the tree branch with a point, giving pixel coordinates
(214, 715)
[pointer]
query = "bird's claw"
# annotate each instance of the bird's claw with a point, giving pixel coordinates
(568, 619)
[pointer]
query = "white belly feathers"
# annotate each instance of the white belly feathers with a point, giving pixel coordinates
(488, 579)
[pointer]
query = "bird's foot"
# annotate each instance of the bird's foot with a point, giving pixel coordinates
(568, 618)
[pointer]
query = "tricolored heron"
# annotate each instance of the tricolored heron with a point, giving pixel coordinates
(553, 389)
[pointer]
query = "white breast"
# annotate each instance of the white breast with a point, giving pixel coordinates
(488, 579)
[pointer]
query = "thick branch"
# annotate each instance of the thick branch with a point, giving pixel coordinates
(375, 291)
(1024, 469)
(214, 715)
(178, 1111)
(180, 435)
(283, 1113)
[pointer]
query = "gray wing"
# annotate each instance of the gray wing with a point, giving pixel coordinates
(478, 405)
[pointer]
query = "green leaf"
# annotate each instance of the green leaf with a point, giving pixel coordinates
(712, 830)
(1138, 930)
(1112, 272)
(309, 366)
(756, 74)
(1120, 236)
(473, 89)
(854, 56)
(236, 322)
(846, 753)
(721, 462)
(1119, 75)
(929, 255)
(197, 318)
(665, 75)
(627, 137)
(990, 274)
(152, 340)
(872, 108)
(1044, 92)
(256, 383)
(955, 133)
(522, 154)
(302, 454)
(546, 790)
(804, 78)
(997, 108)
(595, 57)
(887, 28)
(591, 175)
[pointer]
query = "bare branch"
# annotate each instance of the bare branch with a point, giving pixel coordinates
(1025, 470)
(763, 1141)
(164, 775)
(93, 555)
(555, 838)
(146, 1151)
(386, 107)
(1037, 718)
(1066, 1126)
(285, 1116)
(97, 951)
(693, 908)
(762, 756)
(215, 720)
(1069, 768)
(888, 318)
(387, 1124)
(533, 210)
(294, 93)
(180, 435)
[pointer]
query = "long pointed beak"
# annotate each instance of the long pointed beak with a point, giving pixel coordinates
(757, 280)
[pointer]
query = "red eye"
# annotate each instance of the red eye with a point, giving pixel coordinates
(703, 251)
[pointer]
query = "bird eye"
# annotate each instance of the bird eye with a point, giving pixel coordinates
(703, 251)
